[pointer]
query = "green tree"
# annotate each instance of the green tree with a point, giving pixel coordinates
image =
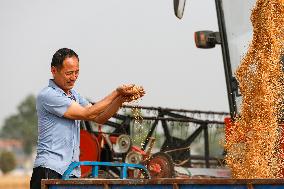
(22, 125)
(7, 161)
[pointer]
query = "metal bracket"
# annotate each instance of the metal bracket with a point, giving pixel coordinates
(95, 168)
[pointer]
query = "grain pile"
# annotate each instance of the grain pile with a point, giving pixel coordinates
(253, 149)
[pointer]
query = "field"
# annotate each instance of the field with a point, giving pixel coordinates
(14, 182)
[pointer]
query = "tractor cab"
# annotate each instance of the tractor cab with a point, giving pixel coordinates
(234, 35)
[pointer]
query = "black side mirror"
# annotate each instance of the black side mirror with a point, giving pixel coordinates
(206, 39)
(179, 8)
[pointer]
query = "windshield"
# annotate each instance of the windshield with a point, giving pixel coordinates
(239, 32)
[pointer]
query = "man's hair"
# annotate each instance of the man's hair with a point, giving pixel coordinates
(61, 55)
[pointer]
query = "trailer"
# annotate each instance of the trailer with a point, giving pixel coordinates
(174, 183)
(96, 182)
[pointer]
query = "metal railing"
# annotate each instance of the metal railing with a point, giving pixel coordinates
(193, 126)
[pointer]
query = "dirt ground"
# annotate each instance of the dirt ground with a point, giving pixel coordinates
(14, 182)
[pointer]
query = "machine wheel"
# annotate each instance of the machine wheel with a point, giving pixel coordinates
(160, 165)
(89, 151)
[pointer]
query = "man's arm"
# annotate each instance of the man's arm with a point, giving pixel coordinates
(109, 111)
(102, 110)
(116, 104)
(89, 113)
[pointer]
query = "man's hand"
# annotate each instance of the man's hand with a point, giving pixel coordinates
(125, 89)
(130, 92)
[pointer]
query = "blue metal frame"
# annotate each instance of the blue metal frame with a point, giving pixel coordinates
(95, 168)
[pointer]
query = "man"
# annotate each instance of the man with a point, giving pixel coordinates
(59, 109)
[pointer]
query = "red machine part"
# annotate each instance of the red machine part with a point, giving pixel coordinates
(228, 127)
(89, 150)
(231, 129)
(113, 139)
(101, 138)
(160, 165)
(139, 150)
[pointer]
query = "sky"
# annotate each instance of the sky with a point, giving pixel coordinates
(118, 42)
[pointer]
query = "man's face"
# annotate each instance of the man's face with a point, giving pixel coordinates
(66, 76)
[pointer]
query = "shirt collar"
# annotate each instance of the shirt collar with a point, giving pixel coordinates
(54, 86)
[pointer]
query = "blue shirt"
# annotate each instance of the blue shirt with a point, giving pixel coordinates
(58, 137)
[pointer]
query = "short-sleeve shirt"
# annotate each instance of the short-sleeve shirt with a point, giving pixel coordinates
(58, 137)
